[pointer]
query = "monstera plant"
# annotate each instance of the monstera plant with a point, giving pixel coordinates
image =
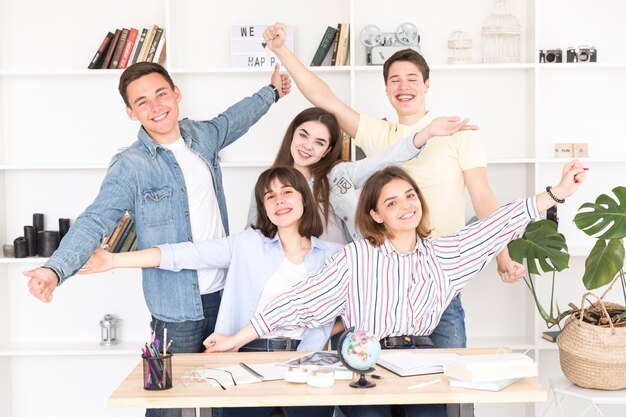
(545, 250)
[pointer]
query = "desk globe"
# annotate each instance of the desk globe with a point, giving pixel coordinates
(359, 350)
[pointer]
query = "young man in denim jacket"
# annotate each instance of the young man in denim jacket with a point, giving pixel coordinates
(164, 181)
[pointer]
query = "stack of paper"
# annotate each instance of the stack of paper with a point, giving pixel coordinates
(492, 372)
(409, 362)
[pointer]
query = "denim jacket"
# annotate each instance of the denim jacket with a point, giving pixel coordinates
(346, 177)
(251, 259)
(146, 181)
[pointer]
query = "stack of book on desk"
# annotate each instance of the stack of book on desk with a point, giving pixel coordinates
(489, 372)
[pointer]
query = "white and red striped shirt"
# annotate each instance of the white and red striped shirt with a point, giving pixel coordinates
(392, 294)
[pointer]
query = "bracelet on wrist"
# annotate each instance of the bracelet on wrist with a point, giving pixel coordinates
(558, 200)
(276, 94)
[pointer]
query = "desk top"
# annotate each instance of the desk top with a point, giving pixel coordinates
(391, 389)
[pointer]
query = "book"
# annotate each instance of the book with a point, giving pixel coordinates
(241, 374)
(343, 44)
(146, 44)
(324, 46)
(155, 43)
(346, 146)
(484, 368)
(551, 336)
(130, 239)
(123, 236)
(159, 49)
(98, 57)
(333, 59)
(496, 385)
(119, 47)
(128, 48)
(112, 240)
(408, 363)
(109, 54)
(163, 55)
(139, 45)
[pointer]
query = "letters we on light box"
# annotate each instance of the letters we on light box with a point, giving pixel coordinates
(248, 48)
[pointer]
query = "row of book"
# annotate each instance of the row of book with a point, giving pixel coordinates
(337, 39)
(124, 236)
(124, 47)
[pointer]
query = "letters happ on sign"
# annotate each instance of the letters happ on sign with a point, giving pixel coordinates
(248, 48)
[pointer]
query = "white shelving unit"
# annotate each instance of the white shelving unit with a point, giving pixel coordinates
(61, 123)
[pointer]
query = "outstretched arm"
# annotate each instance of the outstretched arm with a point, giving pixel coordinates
(102, 260)
(312, 87)
(410, 147)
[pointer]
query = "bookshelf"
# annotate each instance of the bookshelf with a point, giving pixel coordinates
(61, 123)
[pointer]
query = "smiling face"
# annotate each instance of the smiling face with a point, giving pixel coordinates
(309, 144)
(406, 90)
(154, 103)
(398, 207)
(283, 204)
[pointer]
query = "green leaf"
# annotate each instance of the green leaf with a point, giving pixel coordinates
(603, 263)
(606, 218)
(542, 246)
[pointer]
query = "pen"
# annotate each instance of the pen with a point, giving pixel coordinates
(377, 376)
(424, 384)
(252, 371)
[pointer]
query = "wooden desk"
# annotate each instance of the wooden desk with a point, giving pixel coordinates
(392, 389)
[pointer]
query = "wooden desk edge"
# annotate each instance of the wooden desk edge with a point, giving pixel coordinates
(390, 390)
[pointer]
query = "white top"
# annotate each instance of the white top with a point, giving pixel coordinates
(204, 213)
(286, 276)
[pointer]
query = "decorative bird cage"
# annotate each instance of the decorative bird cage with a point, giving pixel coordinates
(459, 48)
(501, 36)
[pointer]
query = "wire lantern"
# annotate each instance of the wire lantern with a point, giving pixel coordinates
(501, 36)
(459, 48)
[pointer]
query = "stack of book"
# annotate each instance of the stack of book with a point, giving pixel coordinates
(123, 238)
(124, 47)
(335, 39)
(489, 372)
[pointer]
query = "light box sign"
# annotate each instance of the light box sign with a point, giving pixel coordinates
(248, 48)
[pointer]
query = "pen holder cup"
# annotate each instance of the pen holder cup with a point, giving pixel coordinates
(157, 372)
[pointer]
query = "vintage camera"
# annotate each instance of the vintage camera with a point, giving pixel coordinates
(550, 56)
(381, 45)
(583, 54)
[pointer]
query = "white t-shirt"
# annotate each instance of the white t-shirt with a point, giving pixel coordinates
(286, 276)
(204, 212)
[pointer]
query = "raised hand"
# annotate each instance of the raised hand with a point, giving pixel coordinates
(100, 261)
(275, 36)
(281, 81)
(442, 126)
(42, 283)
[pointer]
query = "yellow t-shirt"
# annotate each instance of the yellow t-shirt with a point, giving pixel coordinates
(438, 170)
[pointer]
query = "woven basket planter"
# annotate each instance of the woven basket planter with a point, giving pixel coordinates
(593, 356)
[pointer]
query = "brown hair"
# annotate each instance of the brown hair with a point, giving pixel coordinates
(407, 55)
(319, 170)
(375, 232)
(310, 222)
(137, 71)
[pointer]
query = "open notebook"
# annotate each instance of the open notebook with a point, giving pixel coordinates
(411, 362)
(243, 374)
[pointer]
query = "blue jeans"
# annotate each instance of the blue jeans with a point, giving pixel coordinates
(265, 412)
(450, 332)
(187, 337)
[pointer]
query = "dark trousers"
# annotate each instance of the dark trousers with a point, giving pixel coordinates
(187, 337)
